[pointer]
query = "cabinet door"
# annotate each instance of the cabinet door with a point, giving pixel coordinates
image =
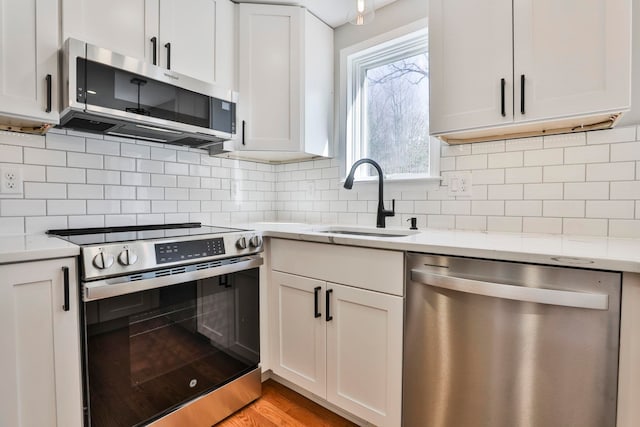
(40, 352)
(124, 26)
(190, 28)
(300, 342)
(28, 53)
(270, 55)
(364, 354)
(571, 69)
(470, 52)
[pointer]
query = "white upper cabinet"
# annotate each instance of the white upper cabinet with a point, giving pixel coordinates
(285, 82)
(527, 66)
(193, 37)
(29, 62)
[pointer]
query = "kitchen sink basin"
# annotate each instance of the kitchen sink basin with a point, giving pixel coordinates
(368, 232)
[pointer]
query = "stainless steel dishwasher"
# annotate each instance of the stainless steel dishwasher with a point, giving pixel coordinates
(502, 344)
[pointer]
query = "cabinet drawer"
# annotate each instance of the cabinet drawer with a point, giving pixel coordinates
(374, 269)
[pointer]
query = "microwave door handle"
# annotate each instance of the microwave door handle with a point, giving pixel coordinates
(513, 292)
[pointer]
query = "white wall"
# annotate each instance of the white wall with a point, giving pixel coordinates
(81, 180)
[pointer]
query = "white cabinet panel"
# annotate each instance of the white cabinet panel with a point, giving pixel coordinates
(28, 53)
(40, 353)
(124, 26)
(301, 337)
(470, 46)
(575, 68)
(364, 360)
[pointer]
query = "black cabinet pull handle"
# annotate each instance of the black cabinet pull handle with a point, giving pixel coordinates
(316, 303)
(328, 305)
(154, 43)
(522, 93)
(502, 107)
(48, 79)
(168, 46)
(243, 127)
(65, 274)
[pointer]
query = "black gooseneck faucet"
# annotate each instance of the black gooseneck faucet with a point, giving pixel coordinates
(382, 212)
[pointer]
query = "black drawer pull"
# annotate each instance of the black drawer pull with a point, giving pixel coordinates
(316, 302)
(48, 79)
(328, 306)
(243, 127)
(522, 93)
(65, 274)
(502, 106)
(154, 43)
(168, 46)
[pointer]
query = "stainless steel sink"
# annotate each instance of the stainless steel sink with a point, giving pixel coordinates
(368, 232)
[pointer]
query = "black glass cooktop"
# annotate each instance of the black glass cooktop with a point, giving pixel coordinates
(92, 236)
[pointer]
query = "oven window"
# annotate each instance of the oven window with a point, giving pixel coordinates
(113, 88)
(151, 351)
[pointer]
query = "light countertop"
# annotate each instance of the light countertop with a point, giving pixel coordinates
(19, 248)
(605, 253)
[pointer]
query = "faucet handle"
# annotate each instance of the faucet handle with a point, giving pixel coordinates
(392, 212)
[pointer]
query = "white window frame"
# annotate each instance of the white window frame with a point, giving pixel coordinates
(354, 61)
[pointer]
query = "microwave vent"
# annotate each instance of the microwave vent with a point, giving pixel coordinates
(78, 123)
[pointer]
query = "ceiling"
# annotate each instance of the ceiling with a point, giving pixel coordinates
(333, 12)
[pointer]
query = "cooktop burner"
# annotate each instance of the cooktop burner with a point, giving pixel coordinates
(93, 236)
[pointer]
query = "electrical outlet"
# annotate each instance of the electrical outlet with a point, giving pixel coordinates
(459, 184)
(10, 180)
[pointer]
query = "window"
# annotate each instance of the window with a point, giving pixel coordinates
(388, 107)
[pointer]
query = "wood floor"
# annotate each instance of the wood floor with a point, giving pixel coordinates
(280, 406)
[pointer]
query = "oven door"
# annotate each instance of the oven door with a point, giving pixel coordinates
(152, 351)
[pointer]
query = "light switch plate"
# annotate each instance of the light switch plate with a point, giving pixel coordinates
(459, 184)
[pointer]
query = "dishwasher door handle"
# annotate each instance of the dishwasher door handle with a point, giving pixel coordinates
(512, 292)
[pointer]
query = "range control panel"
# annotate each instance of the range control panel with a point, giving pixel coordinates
(188, 250)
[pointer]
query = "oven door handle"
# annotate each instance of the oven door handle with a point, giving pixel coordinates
(106, 288)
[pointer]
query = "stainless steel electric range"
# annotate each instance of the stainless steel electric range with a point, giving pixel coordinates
(171, 323)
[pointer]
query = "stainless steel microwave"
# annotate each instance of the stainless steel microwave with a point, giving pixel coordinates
(108, 93)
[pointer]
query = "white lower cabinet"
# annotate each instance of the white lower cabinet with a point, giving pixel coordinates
(340, 342)
(40, 352)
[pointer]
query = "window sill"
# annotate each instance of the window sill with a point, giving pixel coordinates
(391, 180)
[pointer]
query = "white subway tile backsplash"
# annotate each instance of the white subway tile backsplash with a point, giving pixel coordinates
(103, 206)
(66, 207)
(621, 171)
(163, 154)
(176, 169)
(188, 157)
(563, 208)
(164, 206)
(19, 207)
(188, 182)
(620, 134)
(625, 151)
(504, 224)
(471, 223)
(551, 156)
(85, 191)
(455, 150)
(486, 207)
(135, 207)
(119, 163)
(135, 178)
(474, 161)
(68, 175)
(618, 209)
(585, 227)
(135, 150)
(101, 146)
(441, 221)
(543, 191)
(119, 192)
(55, 141)
(82, 160)
(588, 154)
(629, 228)
(40, 224)
(523, 175)
(521, 208)
(505, 192)
(37, 156)
(22, 139)
(488, 176)
(564, 140)
(150, 193)
(42, 190)
(542, 225)
(506, 160)
(586, 190)
(10, 154)
(455, 207)
(524, 144)
(625, 190)
(11, 225)
(150, 166)
(163, 180)
(488, 147)
(563, 173)
(102, 177)
(84, 221)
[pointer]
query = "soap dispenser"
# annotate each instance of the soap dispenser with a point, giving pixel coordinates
(413, 220)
